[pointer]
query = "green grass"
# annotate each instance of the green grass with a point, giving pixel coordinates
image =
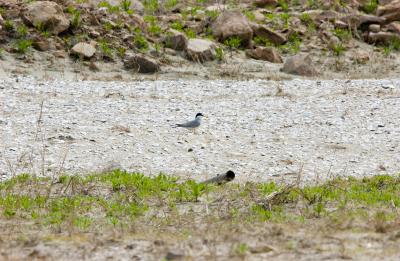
(22, 31)
(338, 49)
(120, 198)
(22, 46)
(106, 49)
(370, 6)
(9, 25)
(233, 42)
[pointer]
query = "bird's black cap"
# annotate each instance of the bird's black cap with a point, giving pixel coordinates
(199, 114)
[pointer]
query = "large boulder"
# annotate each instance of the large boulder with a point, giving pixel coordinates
(200, 50)
(47, 14)
(265, 53)
(300, 64)
(390, 12)
(382, 37)
(232, 24)
(84, 50)
(176, 40)
(141, 64)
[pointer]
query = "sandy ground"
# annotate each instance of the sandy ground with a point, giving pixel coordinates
(262, 130)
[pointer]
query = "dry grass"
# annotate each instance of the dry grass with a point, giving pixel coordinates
(215, 222)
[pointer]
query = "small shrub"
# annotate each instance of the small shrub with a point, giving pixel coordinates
(284, 5)
(212, 14)
(105, 48)
(219, 53)
(177, 26)
(190, 33)
(141, 42)
(342, 34)
(233, 42)
(151, 6)
(169, 4)
(250, 15)
(121, 51)
(22, 46)
(125, 5)
(22, 30)
(8, 25)
(153, 28)
(370, 6)
(338, 49)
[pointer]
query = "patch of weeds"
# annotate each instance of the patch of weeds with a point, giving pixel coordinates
(263, 41)
(76, 17)
(105, 48)
(209, 33)
(284, 5)
(292, 45)
(190, 33)
(393, 45)
(338, 49)
(141, 42)
(126, 5)
(170, 4)
(110, 8)
(153, 27)
(8, 25)
(212, 14)
(342, 34)
(242, 249)
(285, 17)
(219, 53)
(121, 51)
(233, 42)
(22, 31)
(108, 26)
(177, 26)
(313, 4)
(22, 46)
(370, 6)
(151, 6)
(250, 15)
(307, 20)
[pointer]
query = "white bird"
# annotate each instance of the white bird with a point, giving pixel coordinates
(192, 125)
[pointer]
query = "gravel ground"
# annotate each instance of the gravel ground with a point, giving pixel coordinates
(262, 130)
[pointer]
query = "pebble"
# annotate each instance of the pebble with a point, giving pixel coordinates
(246, 130)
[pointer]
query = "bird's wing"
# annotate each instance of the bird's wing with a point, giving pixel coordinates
(189, 124)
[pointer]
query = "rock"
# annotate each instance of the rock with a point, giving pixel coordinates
(361, 57)
(317, 16)
(233, 24)
(138, 21)
(300, 64)
(141, 64)
(374, 28)
(265, 53)
(382, 37)
(394, 27)
(47, 14)
(1, 20)
(259, 16)
(60, 54)
(200, 50)
(170, 256)
(340, 24)
(41, 44)
(84, 49)
(390, 12)
(217, 7)
(176, 40)
(356, 21)
(262, 3)
(266, 33)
